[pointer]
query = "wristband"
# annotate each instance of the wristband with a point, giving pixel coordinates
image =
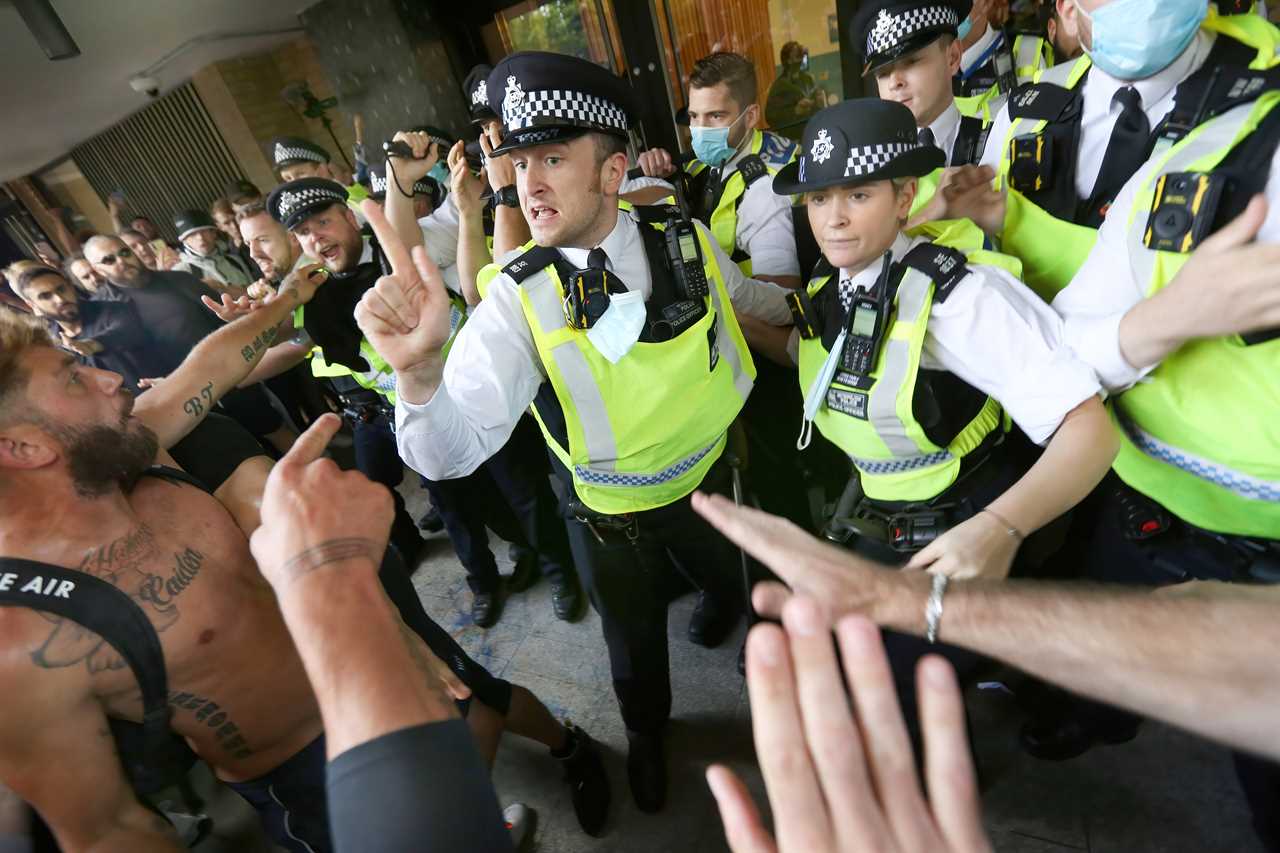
(933, 607)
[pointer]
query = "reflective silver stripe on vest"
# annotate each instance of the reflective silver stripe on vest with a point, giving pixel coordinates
(1238, 483)
(597, 477)
(898, 466)
(1217, 135)
(742, 383)
(1028, 49)
(882, 406)
(597, 434)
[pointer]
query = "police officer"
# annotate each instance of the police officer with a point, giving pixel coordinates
(1065, 145)
(635, 368)
(293, 158)
(1178, 308)
(751, 224)
(912, 350)
(997, 60)
(426, 192)
(912, 51)
(315, 211)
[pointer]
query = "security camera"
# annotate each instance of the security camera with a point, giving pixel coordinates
(148, 86)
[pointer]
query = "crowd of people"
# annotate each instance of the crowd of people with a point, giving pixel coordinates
(993, 355)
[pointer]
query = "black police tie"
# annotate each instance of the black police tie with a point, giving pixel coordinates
(596, 259)
(1126, 152)
(926, 137)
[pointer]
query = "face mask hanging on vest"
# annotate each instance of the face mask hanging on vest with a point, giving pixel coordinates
(619, 327)
(1136, 39)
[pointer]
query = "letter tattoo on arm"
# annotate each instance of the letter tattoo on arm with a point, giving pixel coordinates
(197, 405)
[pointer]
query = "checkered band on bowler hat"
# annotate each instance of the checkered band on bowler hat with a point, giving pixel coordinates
(379, 182)
(856, 141)
(884, 30)
(547, 97)
(286, 150)
(293, 202)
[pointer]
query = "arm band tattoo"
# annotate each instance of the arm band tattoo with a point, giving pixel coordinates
(333, 551)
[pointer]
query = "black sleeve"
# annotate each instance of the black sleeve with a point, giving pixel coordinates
(423, 788)
(214, 450)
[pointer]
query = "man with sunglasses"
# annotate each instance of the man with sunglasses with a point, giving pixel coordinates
(168, 302)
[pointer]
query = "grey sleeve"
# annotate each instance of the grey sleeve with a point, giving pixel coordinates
(422, 788)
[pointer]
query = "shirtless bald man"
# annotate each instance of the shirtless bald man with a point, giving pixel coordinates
(80, 489)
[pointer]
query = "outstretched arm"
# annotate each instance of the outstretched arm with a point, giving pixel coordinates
(220, 362)
(1180, 655)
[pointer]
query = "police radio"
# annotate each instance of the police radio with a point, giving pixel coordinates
(863, 328)
(686, 259)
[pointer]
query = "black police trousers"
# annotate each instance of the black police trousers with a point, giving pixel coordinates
(629, 581)
(511, 494)
(378, 458)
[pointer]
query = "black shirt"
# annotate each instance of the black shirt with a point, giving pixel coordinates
(126, 346)
(172, 314)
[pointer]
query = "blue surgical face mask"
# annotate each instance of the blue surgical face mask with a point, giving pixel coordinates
(963, 30)
(711, 144)
(619, 327)
(1136, 39)
(441, 174)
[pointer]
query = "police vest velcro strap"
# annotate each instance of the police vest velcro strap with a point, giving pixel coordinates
(752, 169)
(803, 315)
(1237, 482)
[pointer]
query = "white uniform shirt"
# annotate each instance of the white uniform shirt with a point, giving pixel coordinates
(494, 371)
(1105, 288)
(765, 230)
(1002, 339)
(1099, 117)
(946, 128)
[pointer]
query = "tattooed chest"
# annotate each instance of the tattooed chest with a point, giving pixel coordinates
(156, 573)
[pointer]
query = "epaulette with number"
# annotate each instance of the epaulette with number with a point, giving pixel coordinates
(1040, 101)
(944, 265)
(531, 263)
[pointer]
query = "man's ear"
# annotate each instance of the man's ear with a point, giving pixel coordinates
(25, 447)
(907, 196)
(955, 55)
(612, 173)
(752, 118)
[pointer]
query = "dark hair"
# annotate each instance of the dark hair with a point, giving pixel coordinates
(220, 205)
(790, 48)
(608, 144)
(22, 273)
(732, 69)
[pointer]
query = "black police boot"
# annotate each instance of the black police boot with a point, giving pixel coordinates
(486, 607)
(431, 521)
(567, 599)
(1062, 738)
(525, 572)
(647, 771)
(711, 621)
(588, 783)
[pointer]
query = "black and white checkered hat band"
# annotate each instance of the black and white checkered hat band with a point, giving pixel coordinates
(871, 158)
(378, 185)
(288, 154)
(891, 30)
(560, 106)
(291, 200)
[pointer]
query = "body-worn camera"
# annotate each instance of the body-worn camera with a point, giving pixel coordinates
(1030, 162)
(1183, 211)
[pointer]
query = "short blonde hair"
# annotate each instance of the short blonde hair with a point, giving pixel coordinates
(18, 333)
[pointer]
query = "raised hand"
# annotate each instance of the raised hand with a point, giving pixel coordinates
(464, 187)
(656, 163)
(408, 170)
(304, 281)
(500, 170)
(405, 316)
(842, 779)
(231, 308)
(315, 515)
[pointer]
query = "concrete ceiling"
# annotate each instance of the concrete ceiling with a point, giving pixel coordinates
(48, 107)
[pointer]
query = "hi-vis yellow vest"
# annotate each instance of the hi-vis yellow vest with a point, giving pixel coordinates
(974, 107)
(1052, 250)
(877, 426)
(642, 433)
(1201, 434)
(1032, 54)
(380, 376)
(774, 152)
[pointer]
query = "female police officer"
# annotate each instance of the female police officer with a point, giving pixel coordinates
(910, 351)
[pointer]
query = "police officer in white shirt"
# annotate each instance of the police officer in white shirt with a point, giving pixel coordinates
(634, 405)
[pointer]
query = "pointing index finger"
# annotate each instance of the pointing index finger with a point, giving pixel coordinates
(390, 242)
(311, 444)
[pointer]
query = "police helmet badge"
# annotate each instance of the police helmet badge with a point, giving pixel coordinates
(822, 147)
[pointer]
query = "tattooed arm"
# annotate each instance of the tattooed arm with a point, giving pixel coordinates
(218, 364)
(57, 753)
